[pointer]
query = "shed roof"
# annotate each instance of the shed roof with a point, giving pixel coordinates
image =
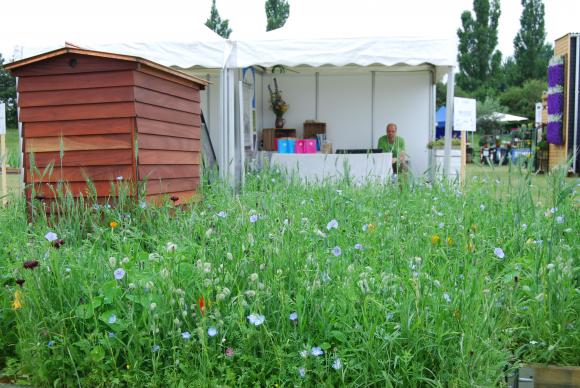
(121, 57)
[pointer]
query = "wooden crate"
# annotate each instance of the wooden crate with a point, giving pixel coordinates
(271, 135)
(313, 129)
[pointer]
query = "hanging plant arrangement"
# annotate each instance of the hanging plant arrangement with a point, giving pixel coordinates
(555, 100)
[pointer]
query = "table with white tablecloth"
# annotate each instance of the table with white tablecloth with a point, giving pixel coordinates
(371, 167)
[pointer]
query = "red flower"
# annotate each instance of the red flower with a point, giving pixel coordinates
(201, 303)
(20, 282)
(58, 243)
(31, 264)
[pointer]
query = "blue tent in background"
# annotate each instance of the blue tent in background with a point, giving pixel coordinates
(440, 128)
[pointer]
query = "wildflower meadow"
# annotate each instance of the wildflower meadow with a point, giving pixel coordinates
(286, 284)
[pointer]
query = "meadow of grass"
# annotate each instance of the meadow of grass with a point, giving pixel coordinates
(286, 284)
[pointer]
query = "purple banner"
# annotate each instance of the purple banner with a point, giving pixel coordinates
(554, 133)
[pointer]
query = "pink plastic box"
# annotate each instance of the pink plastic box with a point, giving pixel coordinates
(309, 146)
(299, 147)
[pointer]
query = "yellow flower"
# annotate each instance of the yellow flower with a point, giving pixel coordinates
(470, 246)
(371, 227)
(435, 239)
(17, 303)
(449, 240)
(474, 228)
(457, 314)
(128, 366)
(113, 224)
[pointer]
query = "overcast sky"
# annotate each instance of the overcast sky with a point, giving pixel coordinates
(37, 22)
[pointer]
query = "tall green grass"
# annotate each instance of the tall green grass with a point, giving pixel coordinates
(422, 301)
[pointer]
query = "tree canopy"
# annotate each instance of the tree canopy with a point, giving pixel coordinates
(277, 11)
(8, 94)
(215, 22)
(479, 61)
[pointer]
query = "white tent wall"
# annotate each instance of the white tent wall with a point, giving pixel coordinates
(404, 98)
(345, 105)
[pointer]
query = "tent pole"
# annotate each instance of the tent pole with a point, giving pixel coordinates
(449, 120)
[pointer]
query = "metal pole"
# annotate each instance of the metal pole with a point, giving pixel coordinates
(575, 128)
(373, 82)
(449, 120)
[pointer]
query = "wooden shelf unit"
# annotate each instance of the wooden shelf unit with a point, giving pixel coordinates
(271, 135)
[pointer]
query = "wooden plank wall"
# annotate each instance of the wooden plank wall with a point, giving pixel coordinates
(78, 123)
(168, 135)
(558, 153)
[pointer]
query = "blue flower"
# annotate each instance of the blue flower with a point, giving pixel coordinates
(293, 316)
(316, 351)
(119, 273)
(212, 331)
(112, 319)
(186, 335)
(256, 319)
(447, 297)
(111, 334)
(50, 343)
(302, 371)
(333, 224)
(336, 251)
(222, 214)
(51, 236)
(337, 364)
(155, 348)
(499, 253)
(253, 218)
(358, 247)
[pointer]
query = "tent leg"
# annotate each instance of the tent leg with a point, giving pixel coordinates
(449, 120)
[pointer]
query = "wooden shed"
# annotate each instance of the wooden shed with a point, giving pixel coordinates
(108, 117)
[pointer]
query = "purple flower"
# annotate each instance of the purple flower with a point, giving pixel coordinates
(336, 251)
(119, 273)
(358, 247)
(499, 253)
(229, 352)
(253, 218)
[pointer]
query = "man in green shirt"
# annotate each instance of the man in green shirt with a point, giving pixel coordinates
(396, 145)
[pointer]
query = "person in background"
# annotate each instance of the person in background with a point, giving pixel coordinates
(396, 145)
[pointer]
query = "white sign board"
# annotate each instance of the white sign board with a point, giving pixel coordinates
(2, 118)
(464, 118)
(538, 114)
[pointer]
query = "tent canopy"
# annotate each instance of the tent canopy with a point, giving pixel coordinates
(507, 118)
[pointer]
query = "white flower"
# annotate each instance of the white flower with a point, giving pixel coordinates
(333, 224)
(125, 260)
(441, 225)
(250, 293)
(560, 219)
(212, 331)
(316, 351)
(337, 364)
(131, 286)
(482, 207)
(112, 262)
(222, 214)
(112, 319)
(553, 210)
(524, 226)
(499, 253)
(293, 316)
(256, 319)
(550, 266)
(304, 353)
(51, 236)
(320, 233)
(152, 306)
(254, 277)
(447, 297)
(170, 247)
(177, 322)
(437, 283)
(164, 273)
(365, 227)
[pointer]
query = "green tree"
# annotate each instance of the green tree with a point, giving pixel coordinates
(8, 94)
(531, 53)
(441, 93)
(479, 61)
(215, 22)
(521, 100)
(277, 12)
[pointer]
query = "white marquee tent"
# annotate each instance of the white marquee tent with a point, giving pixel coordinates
(355, 84)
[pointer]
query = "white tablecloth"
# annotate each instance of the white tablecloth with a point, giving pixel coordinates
(317, 167)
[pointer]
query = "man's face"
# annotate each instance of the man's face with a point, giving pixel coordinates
(391, 132)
